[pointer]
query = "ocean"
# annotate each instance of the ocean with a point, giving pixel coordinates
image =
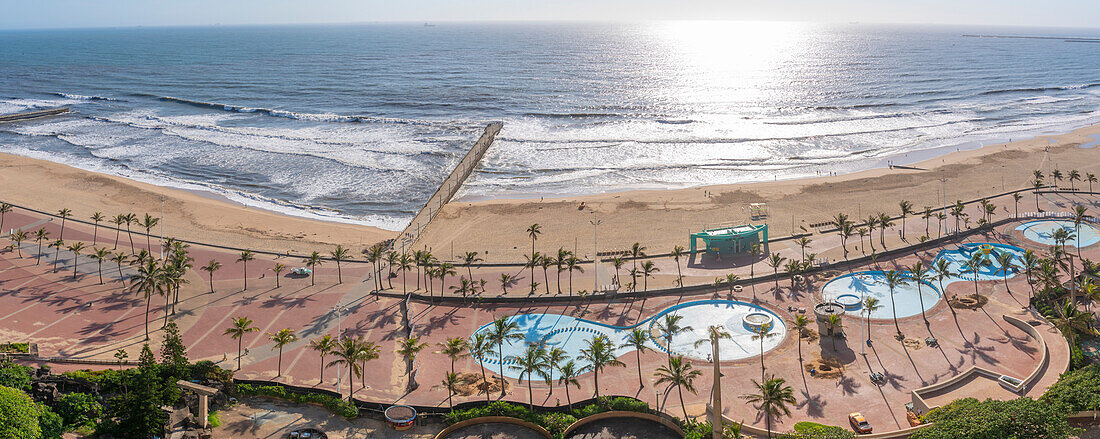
(359, 123)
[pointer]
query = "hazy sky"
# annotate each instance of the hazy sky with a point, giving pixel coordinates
(22, 14)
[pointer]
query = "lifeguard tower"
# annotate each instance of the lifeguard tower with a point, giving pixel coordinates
(730, 240)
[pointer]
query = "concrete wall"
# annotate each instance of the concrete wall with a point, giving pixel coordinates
(624, 414)
(493, 420)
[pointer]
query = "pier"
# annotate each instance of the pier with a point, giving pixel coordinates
(448, 187)
(15, 117)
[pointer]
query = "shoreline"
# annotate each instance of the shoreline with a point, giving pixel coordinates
(661, 219)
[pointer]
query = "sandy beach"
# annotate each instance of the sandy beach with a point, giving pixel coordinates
(658, 219)
(662, 219)
(49, 187)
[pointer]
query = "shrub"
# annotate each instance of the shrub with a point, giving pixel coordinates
(78, 409)
(19, 348)
(18, 415)
(813, 430)
(1022, 418)
(335, 405)
(214, 420)
(1075, 391)
(556, 423)
(696, 429)
(15, 376)
(629, 405)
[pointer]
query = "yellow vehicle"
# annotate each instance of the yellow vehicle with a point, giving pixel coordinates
(859, 423)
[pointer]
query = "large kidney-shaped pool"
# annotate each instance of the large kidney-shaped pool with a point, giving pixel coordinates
(1042, 232)
(571, 334)
(910, 298)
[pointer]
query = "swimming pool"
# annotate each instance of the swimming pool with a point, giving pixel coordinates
(1042, 232)
(571, 334)
(958, 258)
(863, 284)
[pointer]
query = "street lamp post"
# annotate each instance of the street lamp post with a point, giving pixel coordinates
(595, 255)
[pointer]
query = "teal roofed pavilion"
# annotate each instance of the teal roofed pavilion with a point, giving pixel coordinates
(730, 240)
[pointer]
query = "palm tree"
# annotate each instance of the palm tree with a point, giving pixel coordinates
(906, 209)
(731, 281)
(480, 347)
(375, 254)
(313, 261)
(545, 262)
(408, 348)
(1080, 215)
(636, 251)
(1091, 178)
(803, 242)
(130, 219)
(870, 305)
(450, 381)
(1035, 186)
(500, 331)
(647, 272)
(957, 212)
(839, 220)
(148, 222)
(4, 209)
(404, 264)
(57, 245)
(532, 362)
(895, 279)
(241, 326)
(392, 259)
(1073, 176)
(120, 258)
(1016, 197)
(862, 232)
(920, 274)
(210, 267)
(17, 238)
(63, 214)
(117, 220)
(349, 351)
(445, 269)
(75, 248)
(100, 255)
(339, 254)
(1005, 260)
(454, 348)
(763, 332)
(617, 262)
(147, 281)
(324, 346)
(559, 262)
(775, 262)
(278, 270)
(872, 223)
(835, 322)
(599, 352)
(468, 260)
(97, 217)
(567, 375)
(505, 280)
(926, 216)
(941, 224)
(573, 264)
(532, 262)
(637, 339)
(677, 253)
(554, 359)
(884, 222)
(282, 338)
(243, 259)
(975, 263)
(1056, 175)
(679, 373)
(39, 236)
(799, 324)
(670, 327)
(1070, 320)
(1030, 266)
(534, 230)
(773, 396)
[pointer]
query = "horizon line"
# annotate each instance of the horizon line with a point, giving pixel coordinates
(531, 21)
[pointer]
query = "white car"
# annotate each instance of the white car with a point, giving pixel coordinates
(301, 271)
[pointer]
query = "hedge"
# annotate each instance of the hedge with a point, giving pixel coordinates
(335, 405)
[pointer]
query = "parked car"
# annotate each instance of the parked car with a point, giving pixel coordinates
(859, 423)
(301, 271)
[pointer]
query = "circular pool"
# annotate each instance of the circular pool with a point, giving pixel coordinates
(1042, 232)
(734, 317)
(753, 321)
(906, 300)
(850, 302)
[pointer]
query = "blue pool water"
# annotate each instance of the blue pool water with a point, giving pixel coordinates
(571, 334)
(1042, 232)
(907, 298)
